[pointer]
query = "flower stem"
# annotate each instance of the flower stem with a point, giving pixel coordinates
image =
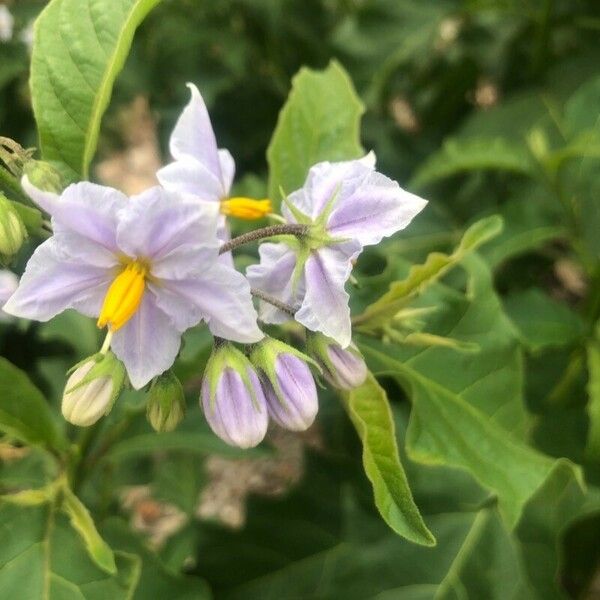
(286, 308)
(107, 341)
(264, 232)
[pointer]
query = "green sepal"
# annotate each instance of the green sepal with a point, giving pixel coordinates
(44, 176)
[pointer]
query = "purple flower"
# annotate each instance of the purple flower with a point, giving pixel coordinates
(232, 398)
(8, 284)
(288, 384)
(345, 206)
(147, 266)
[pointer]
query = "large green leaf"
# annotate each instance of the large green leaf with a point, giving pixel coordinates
(370, 412)
(80, 48)
(24, 414)
(320, 121)
(463, 405)
(44, 559)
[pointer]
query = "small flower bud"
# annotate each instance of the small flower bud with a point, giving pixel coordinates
(44, 176)
(166, 403)
(288, 384)
(92, 389)
(342, 368)
(12, 230)
(232, 398)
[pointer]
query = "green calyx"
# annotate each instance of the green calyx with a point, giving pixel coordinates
(12, 230)
(44, 176)
(264, 356)
(165, 407)
(106, 366)
(226, 356)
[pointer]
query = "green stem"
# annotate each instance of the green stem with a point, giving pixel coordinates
(265, 232)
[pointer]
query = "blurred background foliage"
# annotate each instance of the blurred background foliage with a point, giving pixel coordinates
(482, 106)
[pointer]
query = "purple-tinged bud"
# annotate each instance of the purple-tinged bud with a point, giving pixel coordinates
(342, 368)
(288, 384)
(92, 389)
(232, 398)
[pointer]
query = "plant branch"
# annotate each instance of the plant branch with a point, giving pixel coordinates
(286, 308)
(265, 232)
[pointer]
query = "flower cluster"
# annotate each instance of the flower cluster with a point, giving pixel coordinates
(152, 266)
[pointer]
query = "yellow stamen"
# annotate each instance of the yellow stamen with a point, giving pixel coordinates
(246, 208)
(123, 297)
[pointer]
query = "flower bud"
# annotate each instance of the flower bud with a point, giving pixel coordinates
(92, 389)
(166, 403)
(288, 384)
(44, 176)
(12, 230)
(342, 368)
(232, 398)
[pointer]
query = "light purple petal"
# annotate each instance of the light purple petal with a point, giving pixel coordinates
(327, 180)
(148, 344)
(273, 275)
(8, 284)
(376, 209)
(189, 176)
(156, 223)
(193, 135)
(298, 407)
(84, 208)
(58, 277)
(236, 419)
(227, 170)
(325, 305)
(218, 295)
(350, 369)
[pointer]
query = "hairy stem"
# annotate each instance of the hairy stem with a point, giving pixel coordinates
(286, 308)
(265, 232)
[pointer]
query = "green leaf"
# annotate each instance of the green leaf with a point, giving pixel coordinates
(43, 558)
(593, 407)
(79, 49)
(24, 414)
(469, 413)
(378, 314)
(472, 154)
(541, 321)
(320, 121)
(370, 412)
(81, 520)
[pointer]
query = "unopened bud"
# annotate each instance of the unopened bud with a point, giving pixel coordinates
(166, 403)
(92, 389)
(232, 398)
(12, 230)
(342, 368)
(288, 384)
(44, 176)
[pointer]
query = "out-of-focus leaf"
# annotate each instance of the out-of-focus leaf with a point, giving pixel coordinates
(320, 121)
(73, 329)
(79, 49)
(370, 412)
(81, 520)
(451, 394)
(24, 414)
(43, 558)
(155, 580)
(593, 406)
(378, 314)
(543, 322)
(475, 154)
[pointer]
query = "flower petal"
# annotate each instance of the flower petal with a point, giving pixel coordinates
(227, 170)
(193, 135)
(148, 344)
(234, 417)
(273, 275)
(85, 208)
(158, 222)
(325, 305)
(58, 277)
(189, 176)
(376, 209)
(218, 295)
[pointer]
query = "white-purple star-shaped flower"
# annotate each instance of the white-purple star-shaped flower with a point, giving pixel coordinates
(345, 206)
(147, 266)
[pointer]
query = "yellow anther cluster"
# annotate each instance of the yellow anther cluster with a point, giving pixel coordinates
(123, 297)
(246, 208)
